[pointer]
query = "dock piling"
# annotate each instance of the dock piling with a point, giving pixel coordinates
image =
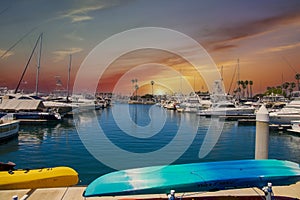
(262, 133)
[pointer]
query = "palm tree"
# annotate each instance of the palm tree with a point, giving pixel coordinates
(292, 86)
(152, 83)
(238, 90)
(246, 84)
(133, 81)
(285, 86)
(297, 77)
(279, 89)
(136, 88)
(243, 91)
(250, 83)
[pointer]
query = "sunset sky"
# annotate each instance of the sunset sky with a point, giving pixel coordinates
(264, 35)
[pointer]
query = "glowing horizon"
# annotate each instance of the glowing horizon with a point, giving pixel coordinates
(265, 42)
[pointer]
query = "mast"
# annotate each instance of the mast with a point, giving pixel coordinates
(180, 81)
(194, 85)
(238, 77)
(27, 64)
(69, 71)
(238, 69)
(222, 73)
(38, 67)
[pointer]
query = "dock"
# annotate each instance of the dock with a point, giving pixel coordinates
(237, 117)
(75, 193)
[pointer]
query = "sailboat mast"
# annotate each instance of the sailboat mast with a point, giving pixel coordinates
(27, 64)
(238, 69)
(69, 71)
(222, 73)
(38, 67)
(238, 77)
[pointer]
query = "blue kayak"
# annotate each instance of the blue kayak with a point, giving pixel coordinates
(209, 176)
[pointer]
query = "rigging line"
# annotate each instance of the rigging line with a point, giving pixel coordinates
(15, 44)
(4, 10)
(289, 64)
(232, 80)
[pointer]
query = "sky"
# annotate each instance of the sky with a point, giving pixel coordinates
(262, 37)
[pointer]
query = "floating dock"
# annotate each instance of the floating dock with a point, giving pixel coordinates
(237, 117)
(75, 193)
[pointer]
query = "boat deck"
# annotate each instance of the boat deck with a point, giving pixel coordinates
(75, 193)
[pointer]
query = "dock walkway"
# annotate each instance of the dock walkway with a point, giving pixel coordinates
(75, 193)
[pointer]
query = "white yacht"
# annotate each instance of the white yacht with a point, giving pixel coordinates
(291, 112)
(223, 108)
(295, 126)
(85, 102)
(190, 104)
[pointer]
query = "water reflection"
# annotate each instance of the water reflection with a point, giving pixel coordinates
(9, 146)
(47, 145)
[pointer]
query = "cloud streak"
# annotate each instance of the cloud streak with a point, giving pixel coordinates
(74, 37)
(282, 48)
(5, 54)
(82, 14)
(62, 54)
(229, 36)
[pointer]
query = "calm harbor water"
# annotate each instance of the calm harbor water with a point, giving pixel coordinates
(49, 145)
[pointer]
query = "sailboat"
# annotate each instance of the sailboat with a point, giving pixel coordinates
(25, 108)
(77, 102)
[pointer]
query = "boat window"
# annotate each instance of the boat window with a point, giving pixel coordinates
(24, 97)
(36, 97)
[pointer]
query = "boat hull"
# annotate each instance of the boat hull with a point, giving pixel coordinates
(38, 178)
(283, 119)
(9, 130)
(224, 112)
(195, 177)
(37, 116)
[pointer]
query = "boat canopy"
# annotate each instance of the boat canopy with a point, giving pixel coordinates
(21, 105)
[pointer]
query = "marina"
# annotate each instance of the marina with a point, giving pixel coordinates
(60, 143)
(150, 100)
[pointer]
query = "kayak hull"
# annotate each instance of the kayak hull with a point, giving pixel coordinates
(38, 178)
(210, 176)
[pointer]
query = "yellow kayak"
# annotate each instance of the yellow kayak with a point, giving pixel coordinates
(38, 178)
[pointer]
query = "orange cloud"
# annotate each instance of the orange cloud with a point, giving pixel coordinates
(230, 35)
